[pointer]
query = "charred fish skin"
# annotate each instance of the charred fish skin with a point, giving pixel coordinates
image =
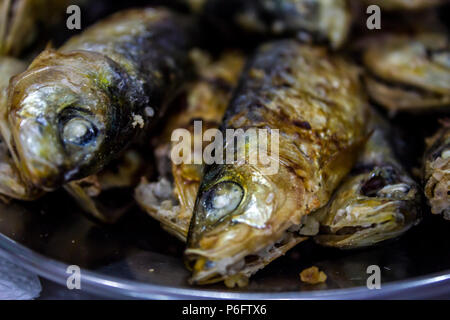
(378, 200)
(316, 102)
(409, 73)
(436, 171)
(323, 20)
(77, 108)
(171, 199)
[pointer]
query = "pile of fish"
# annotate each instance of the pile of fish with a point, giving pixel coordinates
(96, 117)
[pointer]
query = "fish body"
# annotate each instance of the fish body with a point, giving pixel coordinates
(436, 171)
(171, 199)
(77, 108)
(377, 201)
(245, 217)
(322, 20)
(409, 73)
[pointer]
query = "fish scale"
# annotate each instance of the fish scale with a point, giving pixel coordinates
(282, 75)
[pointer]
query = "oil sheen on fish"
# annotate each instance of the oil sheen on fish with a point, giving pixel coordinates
(377, 201)
(245, 218)
(437, 171)
(409, 72)
(77, 108)
(171, 199)
(327, 20)
(11, 184)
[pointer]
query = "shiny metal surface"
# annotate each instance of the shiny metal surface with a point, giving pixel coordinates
(136, 259)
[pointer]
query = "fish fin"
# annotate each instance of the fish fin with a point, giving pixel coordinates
(49, 45)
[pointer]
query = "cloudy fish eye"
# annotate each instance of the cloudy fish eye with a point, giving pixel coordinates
(78, 131)
(221, 200)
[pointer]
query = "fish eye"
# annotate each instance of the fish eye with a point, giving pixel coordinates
(78, 131)
(221, 200)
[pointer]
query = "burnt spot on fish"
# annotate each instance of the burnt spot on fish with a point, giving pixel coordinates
(302, 124)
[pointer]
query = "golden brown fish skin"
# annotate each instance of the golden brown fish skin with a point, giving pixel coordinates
(377, 201)
(409, 73)
(327, 20)
(171, 199)
(317, 103)
(76, 109)
(436, 171)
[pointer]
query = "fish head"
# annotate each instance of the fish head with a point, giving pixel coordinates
(368, 208)
(59, 119)
(239, 215)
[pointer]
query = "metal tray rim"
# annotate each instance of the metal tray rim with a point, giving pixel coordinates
(104, 285)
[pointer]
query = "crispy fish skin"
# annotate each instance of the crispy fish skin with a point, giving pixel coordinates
(243, 219)
(409, 73)
(171, 199)
(436, 171)
(323, 19)
(76, 109)
(377, 201)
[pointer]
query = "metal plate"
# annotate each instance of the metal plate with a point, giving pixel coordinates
(137, 259)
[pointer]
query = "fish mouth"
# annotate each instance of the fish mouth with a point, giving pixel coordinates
(237, 269)
(39, 163)
(42, 174)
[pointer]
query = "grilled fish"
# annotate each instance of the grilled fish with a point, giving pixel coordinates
(171, 199)
(97, 194)
(377, 201)
(76, 109)
(245, 215)
(437, 171)
(409, 72)
(327, 20)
